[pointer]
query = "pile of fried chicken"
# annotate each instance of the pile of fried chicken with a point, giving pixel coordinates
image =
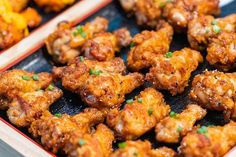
(91, 69)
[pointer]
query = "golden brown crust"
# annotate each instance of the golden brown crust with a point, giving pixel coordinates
(18, 5)
(25, 97)
(143, 149)
(32, 17)
(216, 141)
(54, 132)
(66, 42)
(148, 44)
(173, 72)
(216, 91)
(140, 116)
(53, 5)
(172, 129)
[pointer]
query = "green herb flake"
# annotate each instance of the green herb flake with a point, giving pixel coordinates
(140, 100)
(162, 5)
(35, 77)
(79, 30)
(81, 142)
(57, 115)
(214, 22)
(132, 44)
(179, 129)
(98, 72)
(207, 30)
(81, 58)
(168, 54)
(150, 111)
(173, 114)
(130, 101)
(83, 34)
(51, 87)
(91, 71)
(26, 78)
(202, 130)
(216, 29)
(122, 145)
(95, 72)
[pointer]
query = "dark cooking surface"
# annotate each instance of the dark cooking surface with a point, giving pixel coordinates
(72, 104)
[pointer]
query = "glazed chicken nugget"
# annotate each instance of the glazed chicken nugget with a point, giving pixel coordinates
(53, 5)
(203, 28)
(221, 52)
(179, 12)
(216, 91)
(91, 145)
(138, 116)
(26, 95)
(148, 44)
(171, 129)
(66, 42)
(18, 5)
(214, 141)
(142, 149)
(54, 131)
(102, 46)
(32, 17)
(172, 71)
(100, 84)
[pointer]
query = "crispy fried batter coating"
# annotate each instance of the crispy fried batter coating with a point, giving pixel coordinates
(53, 5)
(216, 91)
(98, 144)
(18, 5)
(180, 12)
(55, 131)
(13, 25)
(25, 97)
(171, 129)
(173, 72)
(100, 84)
(148, 44)
(138, 116)
(102, 46)
(212, 141)
(221, 52)
(203, 28)
(142, 149)
(66, 42)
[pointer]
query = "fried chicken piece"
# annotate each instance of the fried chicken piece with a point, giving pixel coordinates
(148, 44)
(212, 141)
(147, 12)
(138, 116)
(66, 42)
(171, 129)
(173, 70)
(26, 95)
(203, 28)
(216, 91)
(53, 5)
(102, 46)
(221, 52)
(100, 84)
(32, 17)
(55, 131)
(98, 144)
(142, 149)
(18, 5)
(180, 12)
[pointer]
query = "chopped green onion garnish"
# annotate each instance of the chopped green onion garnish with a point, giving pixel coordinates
(94, 72)
(81, 58)
(168, 54)
(207, 30)
(130, 101)
(140, 100)
(214, 22)
(26, 78)
(35, 77)
(202, 130)
(122, 145)
(216, 29)
(173, 114)
(179, 129)
(162, 5)
(79, 30)
(81, 142)
(132, 44)
(83, 34)
(150, 111)
(98, 72)
(50, 87)
(57, 115)
(91, 71)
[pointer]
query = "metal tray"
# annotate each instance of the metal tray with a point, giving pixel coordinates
(71, 103)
